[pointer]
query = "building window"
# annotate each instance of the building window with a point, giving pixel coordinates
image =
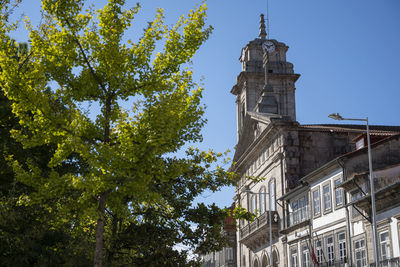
(318, 250)
(262, 200)
(272, 204)
(306, 256)
(229, 254)
(384, 245)
(327, 197)
(360, 143)
(342, 247)
(338, 193)
(293, 257)
(253, 204)
(303, 208)
(359, 253)
(316, 203)
(295, 212)
(330, 253)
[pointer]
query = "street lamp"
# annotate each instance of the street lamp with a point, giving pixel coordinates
(337, 116)
(247, 190)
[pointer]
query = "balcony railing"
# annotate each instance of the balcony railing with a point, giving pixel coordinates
(393, 262)
(256, 232)
(333, 263)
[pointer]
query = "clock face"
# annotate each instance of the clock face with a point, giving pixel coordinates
(268, 46)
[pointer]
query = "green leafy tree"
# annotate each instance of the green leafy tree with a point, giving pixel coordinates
(77, 58)
(28, 236)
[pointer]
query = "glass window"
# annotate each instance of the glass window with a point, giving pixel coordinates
(295, 207)
(272, 196)
(338, 193)
(330, 253)
(384, 245)
(327, 197)
(316, 205)
(318, 250)
(229, 254)
(360, 144)
(293, 257)
(253, 204)
(342, 246)
(359, 252)
(306, 256)
(262, 200)
(302, 208)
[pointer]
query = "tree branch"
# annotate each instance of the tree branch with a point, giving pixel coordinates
(86, 59)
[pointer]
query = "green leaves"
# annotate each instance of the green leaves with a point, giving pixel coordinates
(123, 158)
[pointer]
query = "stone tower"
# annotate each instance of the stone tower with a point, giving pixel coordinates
(266, 84)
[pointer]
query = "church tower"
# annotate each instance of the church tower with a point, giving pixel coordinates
(266, 85)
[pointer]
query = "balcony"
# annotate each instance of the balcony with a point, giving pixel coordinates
(256, 233)
(393, 262)
(334, 263)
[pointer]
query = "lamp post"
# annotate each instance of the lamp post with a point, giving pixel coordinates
(247, 190)
(337, 116)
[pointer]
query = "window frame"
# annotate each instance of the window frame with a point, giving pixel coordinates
(327, 209)
(360, 249)
(229, 254)
(338, 189)
(303, 255)
(262, 200)
(296, 256)
(389, 244)
(339, 250)
(253, 203)
(318, 213)
(319, 250)
(330, 247)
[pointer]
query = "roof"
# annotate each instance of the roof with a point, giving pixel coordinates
(365, 148)
(374, 129)
(294, 192)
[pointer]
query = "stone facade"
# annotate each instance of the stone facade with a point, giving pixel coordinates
(273, 146)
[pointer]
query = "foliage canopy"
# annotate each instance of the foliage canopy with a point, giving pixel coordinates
(124, 179)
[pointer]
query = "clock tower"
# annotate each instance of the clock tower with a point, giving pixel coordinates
(266, 85)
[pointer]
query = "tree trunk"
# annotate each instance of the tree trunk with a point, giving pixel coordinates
(98, 252)
(111, 252)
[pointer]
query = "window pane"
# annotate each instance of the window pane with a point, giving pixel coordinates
(360, 256)
(385, 245)
(338, 193)
(329, 249)
(306, 256)
(272, 196)
(342, 246)
(262, 200)
(316, 202)
(293, 256)
(327, 197)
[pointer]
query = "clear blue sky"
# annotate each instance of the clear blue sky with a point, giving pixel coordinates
(347, 52)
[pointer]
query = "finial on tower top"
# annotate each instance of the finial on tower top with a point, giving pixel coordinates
(263, 33)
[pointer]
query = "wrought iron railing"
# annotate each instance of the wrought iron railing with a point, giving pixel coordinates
(334, 263)
(393, 262)
(259, 222)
